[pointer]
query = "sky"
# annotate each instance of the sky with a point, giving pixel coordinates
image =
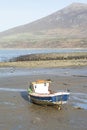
(14, 13)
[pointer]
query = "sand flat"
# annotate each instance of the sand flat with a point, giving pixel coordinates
(17, 113)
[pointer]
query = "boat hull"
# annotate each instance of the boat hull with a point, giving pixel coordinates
(51, 99)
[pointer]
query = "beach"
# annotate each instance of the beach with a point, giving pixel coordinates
(18, 113)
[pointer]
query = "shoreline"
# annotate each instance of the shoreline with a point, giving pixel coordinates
(42, 48)
(45, 63)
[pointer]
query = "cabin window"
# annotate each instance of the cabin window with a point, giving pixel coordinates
(35, 86)
(44, 84)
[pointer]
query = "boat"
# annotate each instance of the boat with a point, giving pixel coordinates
(39, 93)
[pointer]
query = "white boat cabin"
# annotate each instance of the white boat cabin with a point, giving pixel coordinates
(40, 86)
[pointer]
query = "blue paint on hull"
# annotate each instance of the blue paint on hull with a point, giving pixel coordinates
(57, 99)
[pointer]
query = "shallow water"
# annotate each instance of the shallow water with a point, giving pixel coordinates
(12, 71)
(12, 90)
(17, 52)
(78, 100)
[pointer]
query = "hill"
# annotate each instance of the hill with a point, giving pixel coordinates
(65, 28)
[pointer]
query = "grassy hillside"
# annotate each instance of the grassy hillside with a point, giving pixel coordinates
(65, 28)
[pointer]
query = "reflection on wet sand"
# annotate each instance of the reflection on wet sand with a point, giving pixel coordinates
(79, 100)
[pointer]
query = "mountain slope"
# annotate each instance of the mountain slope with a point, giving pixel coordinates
(64, 28)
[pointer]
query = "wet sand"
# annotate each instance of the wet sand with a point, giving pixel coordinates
(17, 113)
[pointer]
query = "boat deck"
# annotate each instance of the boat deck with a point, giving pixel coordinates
(49, 94)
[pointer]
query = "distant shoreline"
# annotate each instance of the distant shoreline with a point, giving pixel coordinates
(42, 48)
(45, 64)
(48, 60)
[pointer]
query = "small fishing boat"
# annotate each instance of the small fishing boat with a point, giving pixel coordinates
(39, 93)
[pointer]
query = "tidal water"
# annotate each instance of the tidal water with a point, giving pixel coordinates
(77, 100)
(12, 71)
(7, 54)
